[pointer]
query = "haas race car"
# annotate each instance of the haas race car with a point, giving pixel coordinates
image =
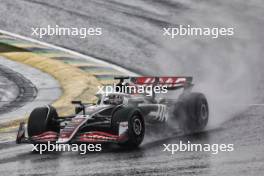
(121, 117)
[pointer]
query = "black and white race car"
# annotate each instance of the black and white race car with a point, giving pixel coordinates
(121, 117)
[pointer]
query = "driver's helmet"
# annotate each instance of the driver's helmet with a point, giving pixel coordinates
(115, 99)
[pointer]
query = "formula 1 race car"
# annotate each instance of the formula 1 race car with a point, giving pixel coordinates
(121, 117)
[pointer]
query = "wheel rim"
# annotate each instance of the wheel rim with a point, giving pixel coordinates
(137, 126)
(203, 112)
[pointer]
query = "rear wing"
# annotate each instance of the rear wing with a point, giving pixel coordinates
(172, 82)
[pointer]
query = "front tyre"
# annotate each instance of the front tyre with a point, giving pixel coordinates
(136, 131)
(42, 119)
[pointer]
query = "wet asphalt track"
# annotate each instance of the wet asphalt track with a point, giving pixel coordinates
(15, 90)
(228, 70)
(8, 90)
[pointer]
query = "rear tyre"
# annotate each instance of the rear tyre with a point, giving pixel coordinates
(136, 132)
(195, 108)
(42, 119)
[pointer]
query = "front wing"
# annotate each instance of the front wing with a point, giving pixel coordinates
(85, 137)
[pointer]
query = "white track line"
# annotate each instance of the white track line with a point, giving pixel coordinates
(116, 67)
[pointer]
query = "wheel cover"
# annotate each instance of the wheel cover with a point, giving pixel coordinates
(137, 126)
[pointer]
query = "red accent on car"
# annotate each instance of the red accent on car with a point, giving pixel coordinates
(46, 136)
(169, 81)
(70, 128)
(98, 136)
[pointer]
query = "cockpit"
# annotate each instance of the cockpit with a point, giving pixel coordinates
(110, 99)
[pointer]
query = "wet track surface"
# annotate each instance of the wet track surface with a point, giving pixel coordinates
(247, 159)
(228, 70)
(15, 90)
(9, 90)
